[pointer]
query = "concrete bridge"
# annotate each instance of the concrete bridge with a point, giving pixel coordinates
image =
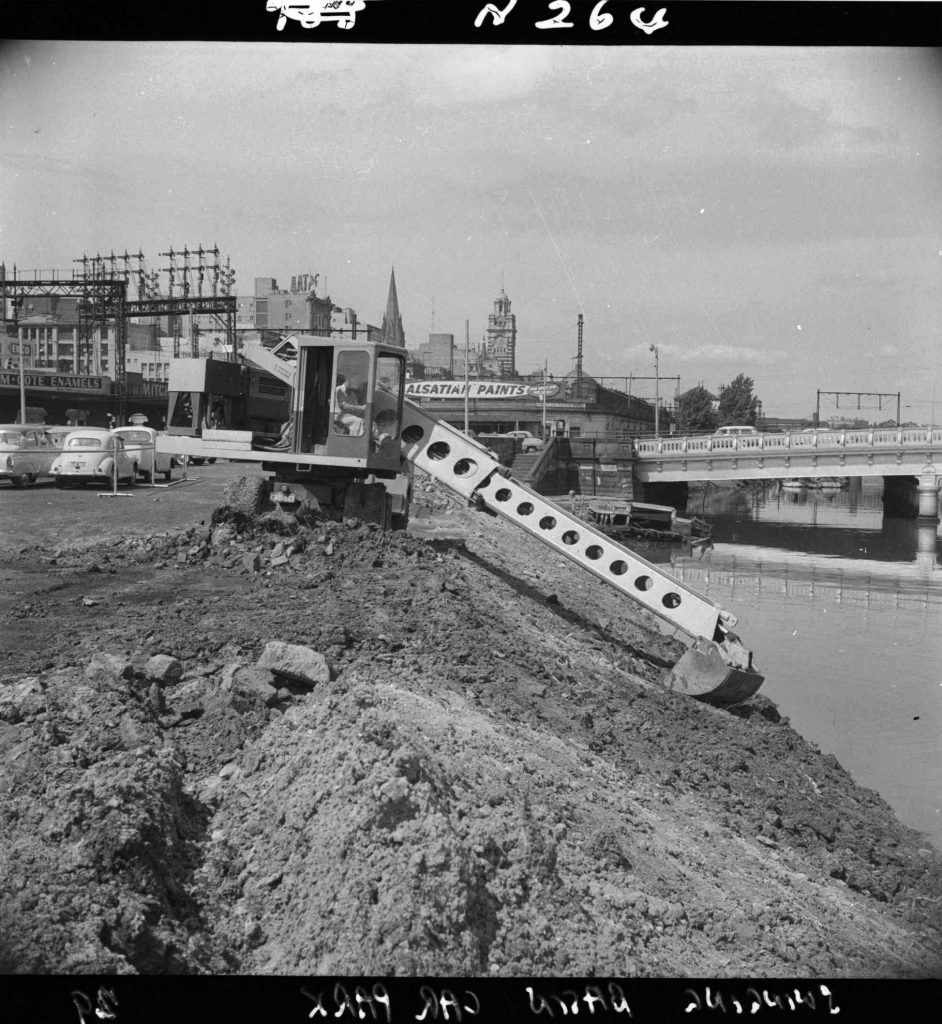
(912, 452)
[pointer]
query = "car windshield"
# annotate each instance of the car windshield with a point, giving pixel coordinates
(11, 437)
(85, 442)
(135, 437)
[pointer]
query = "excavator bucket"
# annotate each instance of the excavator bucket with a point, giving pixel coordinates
(703, 672)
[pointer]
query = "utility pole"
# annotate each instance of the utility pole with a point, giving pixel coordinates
(17, 303)
(467, 386)
(544, 399)
(657, 394)
(579, 355)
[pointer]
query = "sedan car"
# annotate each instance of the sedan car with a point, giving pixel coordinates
(26, 453)
(528, 442)
(739, 430)
(141, 444)
(93, 455)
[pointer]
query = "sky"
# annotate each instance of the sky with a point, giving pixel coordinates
(769, 211)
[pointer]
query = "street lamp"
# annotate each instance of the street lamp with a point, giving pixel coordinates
(657, 395)
(17, 304)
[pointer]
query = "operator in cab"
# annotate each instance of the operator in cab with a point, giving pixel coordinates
(348, 412)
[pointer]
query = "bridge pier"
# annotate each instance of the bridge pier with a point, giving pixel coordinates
(927, 492)
(927, 541)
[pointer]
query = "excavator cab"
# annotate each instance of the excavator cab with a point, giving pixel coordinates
(312, 403)
(348, 403)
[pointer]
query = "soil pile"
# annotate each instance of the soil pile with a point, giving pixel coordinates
(263, 747)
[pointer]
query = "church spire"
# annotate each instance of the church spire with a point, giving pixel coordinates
(392, 333)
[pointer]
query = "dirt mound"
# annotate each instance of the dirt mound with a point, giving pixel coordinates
(329, 749)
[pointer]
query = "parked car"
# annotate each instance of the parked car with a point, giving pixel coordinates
(90, 454)
(26, 453)
(56, 435)
(141, 444)
(528, 442)
(739, 430)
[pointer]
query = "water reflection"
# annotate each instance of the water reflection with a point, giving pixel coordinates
(845, 523)
(843, 610)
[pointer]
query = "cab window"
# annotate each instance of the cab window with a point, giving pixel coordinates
(389, 376)
(349, 406)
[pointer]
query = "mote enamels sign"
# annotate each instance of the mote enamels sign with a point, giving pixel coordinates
(37, 381)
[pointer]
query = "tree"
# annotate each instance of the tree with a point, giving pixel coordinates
(695, 412)
(738, 405)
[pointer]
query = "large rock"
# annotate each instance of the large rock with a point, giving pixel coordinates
(246, 494)
(20, 699)
(109, 666)
(164, 669)
(302, 664)
(253, 681)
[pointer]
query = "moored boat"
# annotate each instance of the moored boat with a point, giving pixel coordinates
(639, 523)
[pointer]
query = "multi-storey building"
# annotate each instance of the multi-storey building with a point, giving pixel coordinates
(277, 309)
(62, 342)
(437, 355)
(440, 358)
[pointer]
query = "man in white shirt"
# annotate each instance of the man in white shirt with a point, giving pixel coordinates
(348, 414)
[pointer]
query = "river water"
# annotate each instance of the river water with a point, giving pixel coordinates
(843, 610)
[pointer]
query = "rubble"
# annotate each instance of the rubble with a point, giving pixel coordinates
(325, 749)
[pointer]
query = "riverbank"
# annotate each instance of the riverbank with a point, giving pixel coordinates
(477, 772)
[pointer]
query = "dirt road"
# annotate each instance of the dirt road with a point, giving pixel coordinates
(228, 747)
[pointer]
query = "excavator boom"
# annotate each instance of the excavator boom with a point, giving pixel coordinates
(716, 668)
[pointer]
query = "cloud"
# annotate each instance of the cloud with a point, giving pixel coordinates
(703, 353)
(485, 74)
(716, 353)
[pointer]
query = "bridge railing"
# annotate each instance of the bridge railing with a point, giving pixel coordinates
(821, 440)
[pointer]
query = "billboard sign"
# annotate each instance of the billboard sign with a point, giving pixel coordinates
(476, 389)
(11, 349)
(540, 391)
(39, 380)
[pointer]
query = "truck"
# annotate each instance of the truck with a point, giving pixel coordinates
(327, 420)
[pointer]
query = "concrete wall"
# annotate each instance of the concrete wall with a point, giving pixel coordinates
(570, 466)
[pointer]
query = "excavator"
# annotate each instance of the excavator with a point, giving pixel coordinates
(328, 420)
